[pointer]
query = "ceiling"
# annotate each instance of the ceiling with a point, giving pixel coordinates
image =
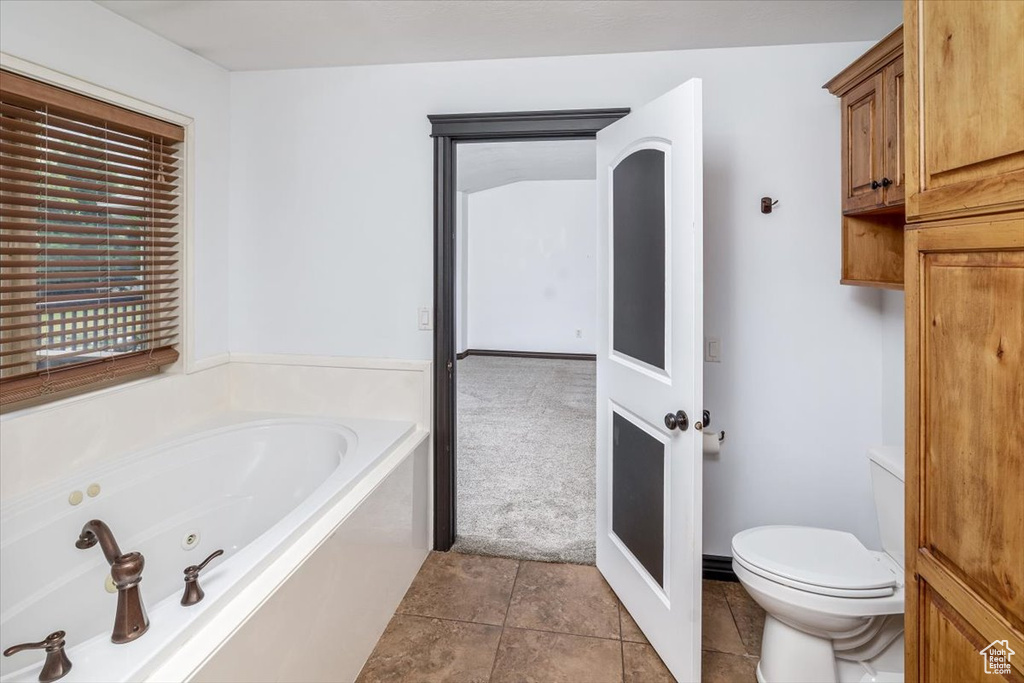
(245, 35)
(483, 165)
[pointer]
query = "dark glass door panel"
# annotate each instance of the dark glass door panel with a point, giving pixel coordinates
(638, 494)
(638, 257)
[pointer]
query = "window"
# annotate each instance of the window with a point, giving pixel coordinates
(89, 240)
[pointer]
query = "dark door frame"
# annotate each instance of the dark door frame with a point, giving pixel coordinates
(447, 131)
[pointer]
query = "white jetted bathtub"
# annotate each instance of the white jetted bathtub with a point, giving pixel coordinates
(258, 489)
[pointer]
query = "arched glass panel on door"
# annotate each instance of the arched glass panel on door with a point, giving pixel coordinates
(638, 257)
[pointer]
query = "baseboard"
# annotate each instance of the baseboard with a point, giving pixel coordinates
(527, 354)
(719, 568)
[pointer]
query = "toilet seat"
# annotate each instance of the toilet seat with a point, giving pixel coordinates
(822, 561)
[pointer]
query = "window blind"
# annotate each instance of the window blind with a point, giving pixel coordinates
(89, 241)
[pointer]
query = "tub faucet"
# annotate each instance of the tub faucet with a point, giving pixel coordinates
(130, 620)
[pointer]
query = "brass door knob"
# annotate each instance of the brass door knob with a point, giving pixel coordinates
(193, 591)
(57, 664)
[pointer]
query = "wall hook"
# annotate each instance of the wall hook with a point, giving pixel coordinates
(767, 204)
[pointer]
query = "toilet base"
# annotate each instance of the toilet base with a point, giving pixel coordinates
(792, 656)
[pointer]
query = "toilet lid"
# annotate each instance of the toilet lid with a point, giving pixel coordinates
(822, 561)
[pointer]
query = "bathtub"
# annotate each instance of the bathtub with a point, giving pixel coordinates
(268, 490)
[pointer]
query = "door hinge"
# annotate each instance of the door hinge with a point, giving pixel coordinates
(451, 367)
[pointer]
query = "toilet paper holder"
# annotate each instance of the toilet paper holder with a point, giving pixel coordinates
(706, 422)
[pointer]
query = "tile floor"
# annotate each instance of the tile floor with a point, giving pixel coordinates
(469, 619)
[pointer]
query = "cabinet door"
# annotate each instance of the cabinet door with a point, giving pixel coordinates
(965, 107)
(893, 166)
(862, 145)
(965, 445)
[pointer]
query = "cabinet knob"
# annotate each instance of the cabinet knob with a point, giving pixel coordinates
(875, 184)
(886, 182)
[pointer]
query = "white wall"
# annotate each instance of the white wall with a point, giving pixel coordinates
(532, 275)
(461, 271)
(84, 40)
(893, 368)
(347, 177)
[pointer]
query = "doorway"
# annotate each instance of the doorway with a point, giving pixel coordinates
(526, 343)
(448, 131)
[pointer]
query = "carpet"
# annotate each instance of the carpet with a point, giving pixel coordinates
(526, 458)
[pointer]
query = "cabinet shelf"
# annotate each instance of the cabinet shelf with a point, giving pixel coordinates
(873, 249)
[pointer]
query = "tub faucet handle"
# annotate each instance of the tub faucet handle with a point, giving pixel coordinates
(57, 664)
(193, 591)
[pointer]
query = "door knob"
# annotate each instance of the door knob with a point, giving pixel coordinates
(677, 420)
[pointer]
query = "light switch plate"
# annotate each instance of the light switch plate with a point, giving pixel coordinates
(712, 350)
(426, 321)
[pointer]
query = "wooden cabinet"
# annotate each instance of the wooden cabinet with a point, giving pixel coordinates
(871, 93)
(965, 68)
(893, 171)
(965, 444)
(964, 254)
(863, 139)
(873, 182)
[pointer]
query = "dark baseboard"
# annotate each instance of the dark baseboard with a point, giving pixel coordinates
(527, 354)
(719, 568)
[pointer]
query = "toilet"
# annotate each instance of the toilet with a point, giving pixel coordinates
(834, 608)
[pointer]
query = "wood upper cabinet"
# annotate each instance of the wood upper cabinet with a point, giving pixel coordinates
(871, 98)
(863, 141)
(893, 172)
(871, 92)
(965, 66)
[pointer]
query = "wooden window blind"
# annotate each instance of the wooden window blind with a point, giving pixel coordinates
(89, 241)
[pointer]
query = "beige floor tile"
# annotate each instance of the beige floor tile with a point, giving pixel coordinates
(566, 598)
(630, 631)
(748, 615)
(536, 656)
(719, 630)
(422, 650)
(462, 587)
(720, 667)
(641, 664)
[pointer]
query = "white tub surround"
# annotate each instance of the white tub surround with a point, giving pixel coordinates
(49, 442)
(329, 386)
(82, 432)
(269, 490)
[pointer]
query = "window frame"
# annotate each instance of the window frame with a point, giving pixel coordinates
(186, 362)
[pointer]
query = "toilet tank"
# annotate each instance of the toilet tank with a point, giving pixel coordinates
(887, 484)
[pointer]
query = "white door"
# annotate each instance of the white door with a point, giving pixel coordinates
(649, 369)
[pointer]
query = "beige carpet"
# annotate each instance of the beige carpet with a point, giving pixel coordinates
(526, 458)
